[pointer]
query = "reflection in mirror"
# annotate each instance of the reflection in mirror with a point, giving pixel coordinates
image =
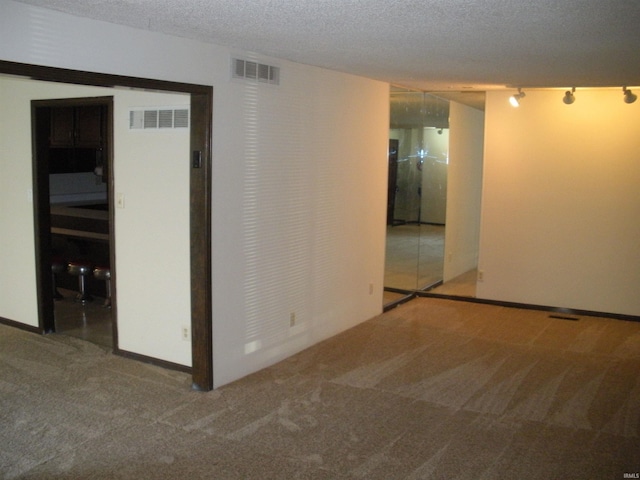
(416, 209)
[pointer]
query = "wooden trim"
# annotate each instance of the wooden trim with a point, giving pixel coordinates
(21, 326)
(108, 164)
(42, 218)
(200, 230)
(400, 301)
(64, 75)
(201, 284)
(152, 361)
(527, 306)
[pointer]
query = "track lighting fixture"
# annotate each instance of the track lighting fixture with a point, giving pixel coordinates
(569, 97)
(629, 96)
(514, 100)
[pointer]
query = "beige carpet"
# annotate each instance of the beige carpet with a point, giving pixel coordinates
(434, 389)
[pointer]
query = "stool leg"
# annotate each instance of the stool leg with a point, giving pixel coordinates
(107, 301)
(83, 296)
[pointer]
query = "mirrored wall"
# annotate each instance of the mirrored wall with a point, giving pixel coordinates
(417, 190)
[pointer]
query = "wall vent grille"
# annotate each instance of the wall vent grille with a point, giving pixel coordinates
(158, 118)
(255, 71)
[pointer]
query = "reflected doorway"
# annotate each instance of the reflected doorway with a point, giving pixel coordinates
(429, 192)
(417, 190)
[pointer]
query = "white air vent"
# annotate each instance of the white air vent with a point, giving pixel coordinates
(255, 71)
(165, 117)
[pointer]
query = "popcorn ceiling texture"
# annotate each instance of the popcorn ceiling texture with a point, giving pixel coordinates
(427, 44)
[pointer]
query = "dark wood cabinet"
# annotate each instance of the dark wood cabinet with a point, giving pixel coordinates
(80, 127)
(62, 127)
(89, 127)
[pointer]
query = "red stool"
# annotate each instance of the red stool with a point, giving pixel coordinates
(80, 269)
(104, 273)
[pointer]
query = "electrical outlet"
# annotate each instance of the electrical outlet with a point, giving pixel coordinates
(480, 275)
(185, 333)
(292, 319)
(120, 200)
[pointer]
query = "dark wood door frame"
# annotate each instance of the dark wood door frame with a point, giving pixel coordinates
(200, 194)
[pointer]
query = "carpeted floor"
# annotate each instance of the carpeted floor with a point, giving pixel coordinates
(434, 389)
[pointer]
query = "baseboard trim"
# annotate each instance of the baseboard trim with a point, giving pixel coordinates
(153, 361)
(122, 353)
(407, 297)
(526, 306)
(21, 326)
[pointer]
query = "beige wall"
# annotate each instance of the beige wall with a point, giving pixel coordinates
(561, 201)
(151, 170)
(18, 299)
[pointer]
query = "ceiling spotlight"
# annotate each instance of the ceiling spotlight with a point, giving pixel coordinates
(514, 100)
(569, 97)
(629, 96)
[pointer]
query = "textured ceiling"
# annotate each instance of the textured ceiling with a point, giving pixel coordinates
(443, 45)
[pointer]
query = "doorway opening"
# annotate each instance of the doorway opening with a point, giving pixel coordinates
(199, 224)
(73, 206)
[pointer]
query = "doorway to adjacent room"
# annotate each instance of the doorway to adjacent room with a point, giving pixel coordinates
(198, 224)
(73, 206)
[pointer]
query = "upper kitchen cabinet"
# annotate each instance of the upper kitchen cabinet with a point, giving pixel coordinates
(81, 127)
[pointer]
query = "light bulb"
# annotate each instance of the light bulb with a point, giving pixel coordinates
(629, 96)
(569, 97)
(514, 100)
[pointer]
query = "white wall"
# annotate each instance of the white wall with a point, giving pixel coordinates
(561, 201)
(299, 175)
(299, 201)
(465, 190)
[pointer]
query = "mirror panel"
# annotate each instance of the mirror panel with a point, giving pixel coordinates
(418, 160)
